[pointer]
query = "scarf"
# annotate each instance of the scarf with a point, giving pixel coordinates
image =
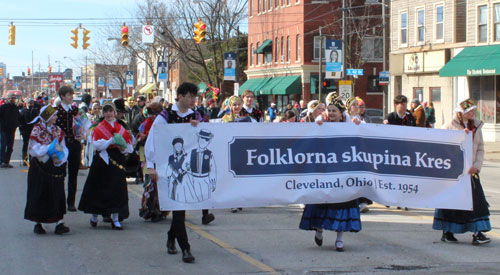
(44, 134)
(104, 130)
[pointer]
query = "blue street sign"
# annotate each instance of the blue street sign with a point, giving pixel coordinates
(383, 77)
(162, 70)
(354, 72)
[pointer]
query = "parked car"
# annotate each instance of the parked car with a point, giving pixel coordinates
(376, 115)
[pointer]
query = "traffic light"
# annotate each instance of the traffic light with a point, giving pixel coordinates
(74, 38)
(86, 38)
(325, 83)
(200, 32)
(50, 69)
(29, 71)
(12, 34)
(1, 71)
(124, 35)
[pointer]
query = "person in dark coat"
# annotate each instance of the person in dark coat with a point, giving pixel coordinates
(9, 120)
(418, 113)
(401, 115)
(27, 115)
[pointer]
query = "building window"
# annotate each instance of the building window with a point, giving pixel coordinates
(482, 28)
(298, 48)
(250, 7)
(276, 3)
(288, 50)
(259, 4)
(372, 49)
(316, 48)
(420, 26)
(282, 49)
(404, 28)
(496, 11)
(435, 93)
(250, 59)
(288, 2)
(277, 50)
(418, 92)
(257, 62)
(439, 23)
(282, 3)
(264, 6)
(269, 57)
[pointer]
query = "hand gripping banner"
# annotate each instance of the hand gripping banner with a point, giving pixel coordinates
(258, 164)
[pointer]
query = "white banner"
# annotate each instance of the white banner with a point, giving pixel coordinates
(219, 165)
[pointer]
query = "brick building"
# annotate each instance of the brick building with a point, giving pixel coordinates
(284, 44)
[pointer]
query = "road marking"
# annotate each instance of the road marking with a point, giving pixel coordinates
(245, 257)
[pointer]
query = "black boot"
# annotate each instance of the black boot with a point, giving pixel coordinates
(171, 247)
(39, 229)
(206, 219)
(186, 256)
(61, 229)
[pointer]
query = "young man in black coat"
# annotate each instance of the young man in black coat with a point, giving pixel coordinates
(401, 115)
(9, 120)
(27, 115)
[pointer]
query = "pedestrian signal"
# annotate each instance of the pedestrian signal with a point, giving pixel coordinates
(86, 38)
(12, 34)
(200, 32)
(124, 35)
(74, 38)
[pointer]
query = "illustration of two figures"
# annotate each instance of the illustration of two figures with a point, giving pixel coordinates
(192, 176)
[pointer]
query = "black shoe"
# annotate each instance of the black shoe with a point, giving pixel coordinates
(234, 210)
(206, 219)
(106, 219)
(448, 237)
(186, 256)
(93, 224)
(171, 247)
(240, 209)
(3, 165)
(39, 229)
(8, 166)
(480, 238)
(156, 218)
(61, 229)
(71, 208)
(116, 227)
(318, 242)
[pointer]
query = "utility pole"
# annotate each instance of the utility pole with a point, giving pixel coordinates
(385, 89)
(32, 72)
(320, 76)
(344, 46)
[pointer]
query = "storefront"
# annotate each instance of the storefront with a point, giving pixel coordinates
(278, 89)
(476, 74)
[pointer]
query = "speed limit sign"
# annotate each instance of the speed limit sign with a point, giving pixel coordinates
(345, 89)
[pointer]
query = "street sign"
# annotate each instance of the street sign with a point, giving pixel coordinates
(129, 76)
(148, 34)
(230, 66)
(383, 78)
(354, 72)
(162, 70)
(333, 55)
(345, 89)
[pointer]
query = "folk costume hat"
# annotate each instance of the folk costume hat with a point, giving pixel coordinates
(205, 134)
(350, 102)
(312, 105)
(119, 105)
(361, 102)
(466, 105)
(109, 103)
(46, 113)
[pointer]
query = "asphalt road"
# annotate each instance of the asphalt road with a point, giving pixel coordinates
(254, 241)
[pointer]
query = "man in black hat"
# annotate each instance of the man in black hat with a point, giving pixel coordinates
(120, 112)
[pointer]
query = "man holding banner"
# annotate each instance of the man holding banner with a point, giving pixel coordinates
(181, 112)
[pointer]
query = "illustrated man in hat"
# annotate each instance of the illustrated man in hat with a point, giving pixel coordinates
(202, 169)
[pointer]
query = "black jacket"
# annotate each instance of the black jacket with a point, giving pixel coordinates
(408, 120)
(27, 115)
(9, 117)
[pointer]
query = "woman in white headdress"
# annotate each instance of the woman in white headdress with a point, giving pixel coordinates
(46, 201)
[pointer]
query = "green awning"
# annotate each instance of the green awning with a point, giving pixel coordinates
(283, 85)
(474, 61)
(263, 47)
(254, 84)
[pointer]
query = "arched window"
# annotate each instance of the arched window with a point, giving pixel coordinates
(257, 62)
(250, 58)
(282, 49)
(277, 50)
(288, 48)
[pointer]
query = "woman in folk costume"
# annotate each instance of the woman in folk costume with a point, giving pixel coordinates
(340, 217)
(235, 104)
(477, 220)
(46, 202)
(315, 112)
(105, 191)
(94, 118)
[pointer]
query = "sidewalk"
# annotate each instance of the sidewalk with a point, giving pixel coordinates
(492, 151)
